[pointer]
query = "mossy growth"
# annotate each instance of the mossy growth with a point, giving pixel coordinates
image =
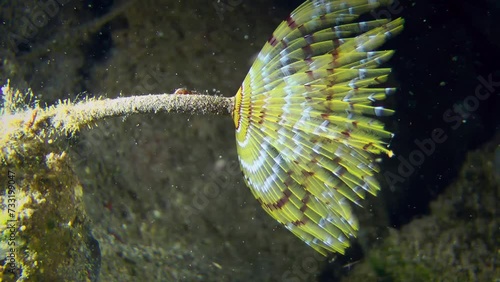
(44, 231)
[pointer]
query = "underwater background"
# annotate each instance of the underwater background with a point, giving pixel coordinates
(164, 193)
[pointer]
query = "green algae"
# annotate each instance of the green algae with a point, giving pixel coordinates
(48, 235)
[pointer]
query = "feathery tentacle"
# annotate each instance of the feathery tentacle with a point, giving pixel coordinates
(306, 128)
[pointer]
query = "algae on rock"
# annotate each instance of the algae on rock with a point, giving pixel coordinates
(45, 232)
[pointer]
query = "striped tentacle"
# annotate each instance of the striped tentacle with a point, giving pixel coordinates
(306, 127)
